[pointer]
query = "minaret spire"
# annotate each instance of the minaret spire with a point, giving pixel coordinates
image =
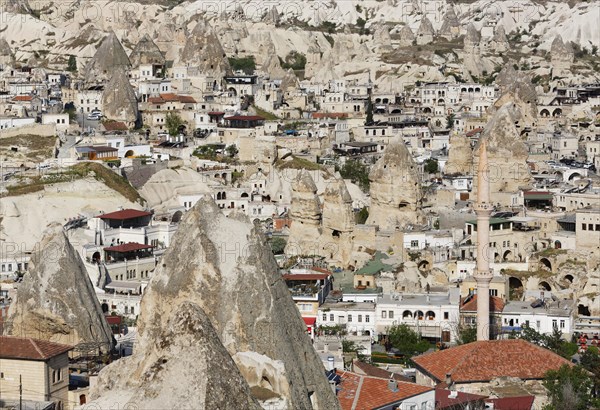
(483, 274)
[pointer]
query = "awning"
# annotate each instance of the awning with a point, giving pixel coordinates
(310, 321)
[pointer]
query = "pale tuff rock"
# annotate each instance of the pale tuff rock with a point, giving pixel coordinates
(407, 37)
(16, 6)
(272, 67)
(425, 32)
(383, 40)
(313, 58)
(472, 38)
(203, 51)
(289, 82)
(562, 57)
(217, 285)
(450, 25)
(396, 195)
(507, 156)
(146, 52)
(56, 300)
(460, 156)
(305, 215)
(499, 42)
(109, 57)
(7, 58)
(338, 214)
(516, 87)
(119, 102)
(273, 16)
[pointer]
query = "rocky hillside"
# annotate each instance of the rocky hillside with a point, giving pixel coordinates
(217, 298)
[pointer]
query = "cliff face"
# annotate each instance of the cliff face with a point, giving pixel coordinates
(219, 281)
(305, 213)
(460, 156)
(56, 300)
(109, 56)
(119, 102)
(203, 50)
(396, 195)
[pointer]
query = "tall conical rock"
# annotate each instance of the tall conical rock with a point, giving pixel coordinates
(218, 285)
(56, 300)
(146, 52)
(290, 81)
(472, 38)
(517, 87)
(425, 32)
(7, 58)
(204, 51)
(562, 57)
(507, 156)
(305, 215)
(383, 39)
(338, 214)
(460, 156)
(407, 37)
(450, 25)
(499, 42)
(119, 102)
(396, 196)
(109, 57)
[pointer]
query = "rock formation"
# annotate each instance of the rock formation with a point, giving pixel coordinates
(499, 42)
(425, 32)
(407, 37)
(289, 82)
(56, 300)
(450, 25)
(273, 16)
(217, 295)
(460, 156)
(146, 52)
(305, 215)
(338, 215)
(204, 52)
(7, 58)
(516, 87)
(383, 40)
(472, 39)
(109, 57)
(119, 102)
(396, 195)
(562, 57)
(507, 156)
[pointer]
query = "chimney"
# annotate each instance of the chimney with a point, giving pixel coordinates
(448, 380)
(392, 384)
(330, 363)
(453, 394)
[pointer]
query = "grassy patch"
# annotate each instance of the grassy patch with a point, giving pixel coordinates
(109, 178)
(298, 163)
(540, 273)
(269, 116)
(551, 252)
(29, 146)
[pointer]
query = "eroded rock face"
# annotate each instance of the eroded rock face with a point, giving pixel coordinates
(203, 50)
(217, 286)
(396, 195)
(425, 32)
(56, 300)
(7, 57)
(338, 214)
(499, 42)
(507, 156)
(119, 102)
(450, 25)
(146, 52)
(460, 156)
(406, 36)
(109, 57)
(305, 215)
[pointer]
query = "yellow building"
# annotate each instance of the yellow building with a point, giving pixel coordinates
(39, 367)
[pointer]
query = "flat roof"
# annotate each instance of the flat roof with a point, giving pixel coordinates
(417, 299)
(552, 308)
(124, 214)
(347, 306)
(493, 221)
(305, 276)
(121, 284)
(245, 118)
(128, 247)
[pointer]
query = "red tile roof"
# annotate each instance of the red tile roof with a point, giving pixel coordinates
(370, 370)
(245, 118)
(124, 214)
(169, 97)
(128, 247)
(187, 99)
(155, 100)
(216, 113)
(30, 349)
(366, 392)
(319, 115)
(306, 276)
(496, 304)
(475, 131)
(23, 98)
(487, 360)
(443, 399)
(115, 126)
(310, 321)
(512, 403)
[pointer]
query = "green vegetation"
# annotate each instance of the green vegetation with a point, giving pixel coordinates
(407, 341)
(369, 119)
(232, 150)
(72, 64)
(353, 349)
(298, 163)
(551, 252)
(236, 176)
(590, 360)
(450, 121)
(466, 334)
(328, 26)
(357, 172)
(362, 216)
(360, 24)
(277, 245)
(31, 146)
(294, 60)
(173, 123)
(431, 166)
(246, 64)
(570, 387)
(553, 342)
(269, 116)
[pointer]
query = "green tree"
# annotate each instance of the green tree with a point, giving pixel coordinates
(369, 119)
(357, 172)
(450, 121)
(278, 245)
(406, 340)
(72, 64)
(590, 360)
(232, 150)
(569, 388)
(362, 216)
(466, 334)
(246, 64)
(294, 60)
(431, 166)
(173, 122)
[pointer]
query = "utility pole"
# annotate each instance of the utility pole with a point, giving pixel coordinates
(20, 393)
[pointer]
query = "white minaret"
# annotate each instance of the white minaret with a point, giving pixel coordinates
(483, 274)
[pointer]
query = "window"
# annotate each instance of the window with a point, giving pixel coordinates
(554, 323)
(414, 243)
(446, 315)
(590, 227)
(583, 226)
(349, 318)
(331, 317)
(360, 318)
(493, 292)
(562, 324)
(391, 314)
(383, 314)
(538, 324)
(367, 318)
(324, 317)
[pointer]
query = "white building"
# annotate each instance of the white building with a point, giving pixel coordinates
(356, 318)
(432, 315)
(544, 317)
(60, 120)
(12, 122)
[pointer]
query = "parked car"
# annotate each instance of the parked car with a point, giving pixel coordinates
(93, 117)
